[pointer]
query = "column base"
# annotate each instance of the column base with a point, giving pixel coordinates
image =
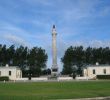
(54, 72)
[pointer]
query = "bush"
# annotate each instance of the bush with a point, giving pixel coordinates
(6, 78)
(103, 76)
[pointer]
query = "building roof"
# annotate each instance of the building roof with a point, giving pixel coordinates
(102, 65)
(9, 67)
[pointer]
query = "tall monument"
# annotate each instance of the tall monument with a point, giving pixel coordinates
(54, 53)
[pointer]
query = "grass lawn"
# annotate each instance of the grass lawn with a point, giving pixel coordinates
(53, 90)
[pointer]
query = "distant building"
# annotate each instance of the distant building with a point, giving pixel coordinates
(13, 72)
(92, 71)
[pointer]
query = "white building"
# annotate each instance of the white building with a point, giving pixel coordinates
(13, 72)
(92, 71)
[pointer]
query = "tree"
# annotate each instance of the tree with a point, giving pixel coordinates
(67, 61)
(4, 55)
(37, 60)
(82, 57)
(19, 58)
(46, 71)
(29, 60)
(73, 56)
(0, 54)
(11, 54)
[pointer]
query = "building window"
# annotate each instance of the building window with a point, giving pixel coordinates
(9, 73)
(0, 73)
(93, 71)
(104, 71)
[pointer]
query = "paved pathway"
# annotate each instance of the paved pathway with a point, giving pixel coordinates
(97, 98)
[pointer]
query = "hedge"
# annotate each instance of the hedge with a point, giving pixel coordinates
(103, 76)
(4, 78)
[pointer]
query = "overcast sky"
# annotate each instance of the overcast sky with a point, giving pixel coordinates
(78, 22)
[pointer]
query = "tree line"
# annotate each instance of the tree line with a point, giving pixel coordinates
(75, 58)
(31, 61)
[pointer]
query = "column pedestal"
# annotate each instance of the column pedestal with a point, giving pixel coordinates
(54, 72)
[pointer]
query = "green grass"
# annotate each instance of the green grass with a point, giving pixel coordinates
(53, 90)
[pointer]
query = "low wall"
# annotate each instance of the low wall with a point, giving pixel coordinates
(65, 78)
(82, 78)
(21, 79)
(39, 79)
(33, 79)
(46, 78)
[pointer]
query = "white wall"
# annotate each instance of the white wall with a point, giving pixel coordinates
(18, 73)
(99, 70)
(15, 72)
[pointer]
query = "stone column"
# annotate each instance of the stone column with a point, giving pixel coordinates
(54, 51)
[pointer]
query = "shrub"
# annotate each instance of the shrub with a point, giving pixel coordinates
(103, 76)
(6, 78)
